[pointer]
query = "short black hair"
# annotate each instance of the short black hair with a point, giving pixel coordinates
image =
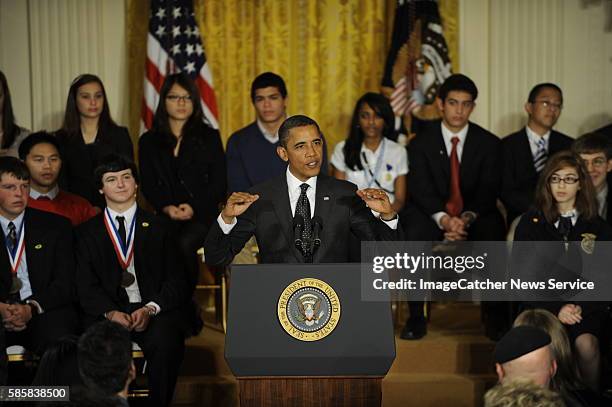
(266, 80)
(113, 163)
(37, 138)
(105, 357)
(291, 123)
(535, 91)
(14, 166)
(593, 143)
(458, 82)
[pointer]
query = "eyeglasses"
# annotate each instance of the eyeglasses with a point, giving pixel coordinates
(568, 179)
(176, 98)
(549, 105)
(598, 162)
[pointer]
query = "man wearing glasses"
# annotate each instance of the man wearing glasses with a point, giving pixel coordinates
(525, 152)
(595, 149)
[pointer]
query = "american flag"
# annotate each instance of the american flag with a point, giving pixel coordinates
(174, 44)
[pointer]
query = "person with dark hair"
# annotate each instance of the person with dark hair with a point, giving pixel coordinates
(369, 157)
(37, 274)
(565, 211)
(40, 152)
(525, 152)
(318, 204)
(88, 133)
(454, 181)
(105, 360)
(595, 149)
(251, 151)
(182, 164)
(130, 272)
(58, 365)
(10, 133)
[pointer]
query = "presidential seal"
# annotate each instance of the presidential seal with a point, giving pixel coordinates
(308, 309)
(588, 242)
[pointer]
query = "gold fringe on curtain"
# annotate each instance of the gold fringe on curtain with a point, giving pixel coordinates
(328, 51)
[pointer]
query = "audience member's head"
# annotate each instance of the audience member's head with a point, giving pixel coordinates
(179, 99)
(543, 106)
(14, 187)
(524, 352)
(113, 163)
(521, 394)
(269, 97)
(58, 365)
(567, 376)
(105, 358)
(84, 89)
(456, 101)
(595, 149)
(41, 153)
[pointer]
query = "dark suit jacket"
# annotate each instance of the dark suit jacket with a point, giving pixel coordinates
(197, 176)
(429, 181)
(50, 260)
(519, 177)
(79, 160)
(159, 269)
(270, 219)
(606, 130)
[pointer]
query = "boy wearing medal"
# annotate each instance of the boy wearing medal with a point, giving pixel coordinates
(37, 266)
(129, 272)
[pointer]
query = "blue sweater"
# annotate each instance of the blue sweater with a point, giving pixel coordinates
(252, 159)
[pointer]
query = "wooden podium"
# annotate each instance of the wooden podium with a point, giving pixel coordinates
(275, 365)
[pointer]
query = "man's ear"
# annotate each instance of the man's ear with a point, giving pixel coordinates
(529, 108)
(609, 166)
(282, 153)
(439, 104)
(553, 368)
(500, 372)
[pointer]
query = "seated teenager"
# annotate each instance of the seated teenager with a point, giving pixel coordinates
(37, 266)
(130, 272)
(40, 152)
(595, 149)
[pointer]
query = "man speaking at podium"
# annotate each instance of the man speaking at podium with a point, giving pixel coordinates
(301, 216)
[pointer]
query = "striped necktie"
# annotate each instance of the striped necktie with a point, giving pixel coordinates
(541, 156)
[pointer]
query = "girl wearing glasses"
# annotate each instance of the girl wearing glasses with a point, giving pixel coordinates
(11, 135)
(182, 165)
(87, 135)
(368, 157)
(566, 211)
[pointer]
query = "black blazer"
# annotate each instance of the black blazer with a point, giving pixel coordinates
(79, 160)
(519, 177)
(50, 260)
(429, 179)
(197, 176)
(552, 261)
(159, 269)
(270, 219)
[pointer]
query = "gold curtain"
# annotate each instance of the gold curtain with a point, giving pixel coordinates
(328, 51)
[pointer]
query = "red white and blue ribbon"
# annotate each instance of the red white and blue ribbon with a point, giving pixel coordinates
(17, 252)
(124, 252)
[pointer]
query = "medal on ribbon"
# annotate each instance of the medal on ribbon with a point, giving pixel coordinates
(124, 252)
(15, 260)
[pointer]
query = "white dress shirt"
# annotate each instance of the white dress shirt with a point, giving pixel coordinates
(271, 137)
(133, 292)
(34, 194)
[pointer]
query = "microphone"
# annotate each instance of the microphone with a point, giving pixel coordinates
(298, 225)
(317, 225)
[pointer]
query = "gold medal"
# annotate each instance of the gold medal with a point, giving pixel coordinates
(127, 279)
(588, 242)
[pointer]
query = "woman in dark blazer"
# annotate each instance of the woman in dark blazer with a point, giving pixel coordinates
(182, 165)
(87, 135)
(566, 211)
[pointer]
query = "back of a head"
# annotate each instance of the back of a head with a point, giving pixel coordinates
(521, 394)
(59, 366)
(105, 357)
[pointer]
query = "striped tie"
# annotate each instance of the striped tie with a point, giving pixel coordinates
(541, 156)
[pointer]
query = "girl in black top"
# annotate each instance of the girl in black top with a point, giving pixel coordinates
(566, 211)
(182, 164)
(11, 135)
(87, 135)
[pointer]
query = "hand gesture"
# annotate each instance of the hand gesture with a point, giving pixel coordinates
(186, 211)
(121, 318)
(570, 314)
(377, 200)
(140, 319)
(237, 203)
(10, 320)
